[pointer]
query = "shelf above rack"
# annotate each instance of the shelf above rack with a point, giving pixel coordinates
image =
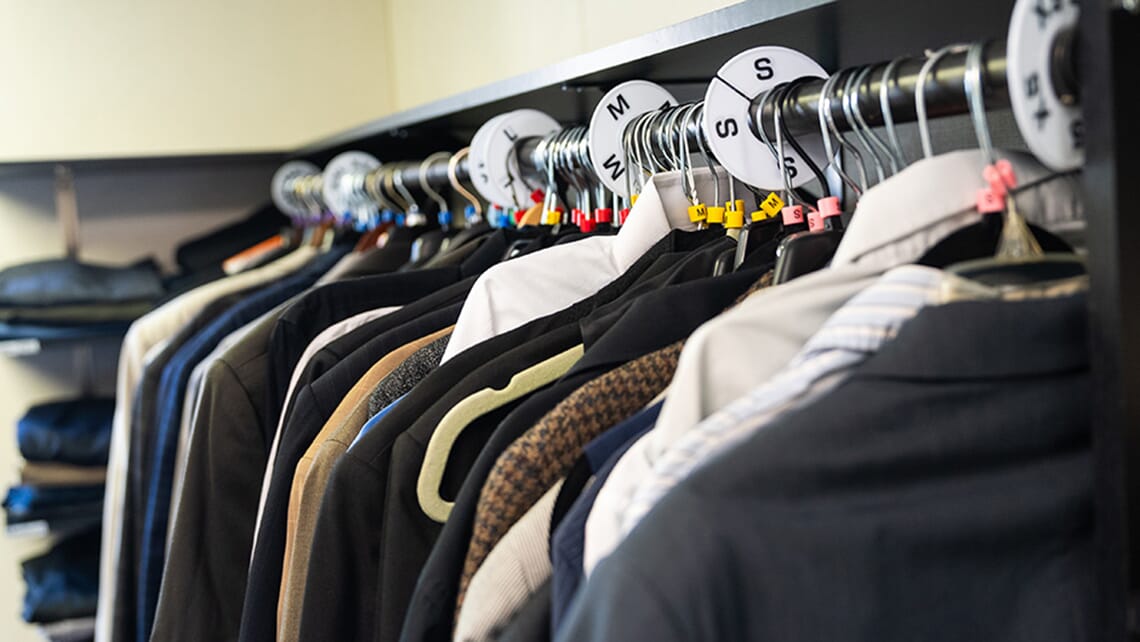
(682, 57)
(138, 163)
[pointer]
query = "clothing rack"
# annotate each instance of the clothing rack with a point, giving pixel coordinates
(685, 57)
(944, 93)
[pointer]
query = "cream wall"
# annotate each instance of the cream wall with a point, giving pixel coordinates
(123, 217)
(442, 47)
(135, 77)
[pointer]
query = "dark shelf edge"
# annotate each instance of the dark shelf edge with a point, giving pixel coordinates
(721, 22)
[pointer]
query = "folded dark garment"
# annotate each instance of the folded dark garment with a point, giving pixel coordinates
(76, 431)
(34, 503)
(69, 282)
(211, 249)
(55, 332)
(70, 314)
(63, 583)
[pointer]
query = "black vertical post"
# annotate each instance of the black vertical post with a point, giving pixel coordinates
(1109, 51)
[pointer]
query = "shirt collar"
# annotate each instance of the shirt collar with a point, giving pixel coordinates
(661, 207)
(898, 220)
(876, 315)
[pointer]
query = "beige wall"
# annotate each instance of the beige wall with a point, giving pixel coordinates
(132, 77)
(443, 47)
(123, 217)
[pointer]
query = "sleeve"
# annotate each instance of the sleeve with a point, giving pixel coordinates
(206, 571)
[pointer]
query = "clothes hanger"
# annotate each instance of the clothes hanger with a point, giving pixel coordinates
(888, 115)
(452, 425)
(1019, 257)
(473, 212)
(803, 252)
(850, 94)
(827, 128)
(758, 234)
(860, 123)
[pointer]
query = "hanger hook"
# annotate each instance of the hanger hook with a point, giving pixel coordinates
(789, 194)
(426, 186)
(843, 142)
(920, 95)
(453, 178)
(693, 128)
(398, 179)
(849, 114)
(975, 94)
(888, 114)
(878, 143)
(833, 158)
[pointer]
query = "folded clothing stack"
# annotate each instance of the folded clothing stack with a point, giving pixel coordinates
(63, 584)
(75, 432)
(64, 298)
(65, 445)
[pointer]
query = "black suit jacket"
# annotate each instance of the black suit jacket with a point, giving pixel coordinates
(334, 302)
(615, 334)
(143, 419)
(212, 528)
(315, 403)
(341, 588)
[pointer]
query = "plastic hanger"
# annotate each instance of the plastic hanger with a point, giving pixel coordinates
(1019, 257)
(452, 425)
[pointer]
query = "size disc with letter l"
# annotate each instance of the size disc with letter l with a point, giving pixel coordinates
(613, 114)
(1052, 129)
(281, 188)
(477, 160)
(727, 101)
(502, 162)
(344, 200)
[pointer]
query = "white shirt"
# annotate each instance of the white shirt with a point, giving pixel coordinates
(529, 287)
(327, 336)
(144, 333)
(895, 223)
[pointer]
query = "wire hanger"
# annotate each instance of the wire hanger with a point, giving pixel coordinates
(861, 124)
(826, 117)
(920, 95)
(849, 88)
(888, 114)
(1019, 258)
(825, 131)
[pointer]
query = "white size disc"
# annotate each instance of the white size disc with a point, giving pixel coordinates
(343, 198)
(1052, 129)
(502, 162)
(477, 159)
(281, 188)
(727, 100)
(617, 108)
